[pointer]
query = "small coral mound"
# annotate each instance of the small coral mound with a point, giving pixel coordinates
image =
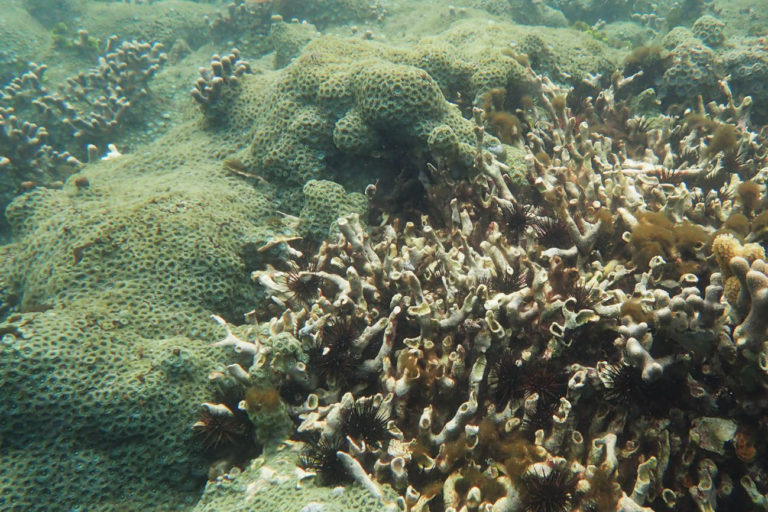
(710, 30)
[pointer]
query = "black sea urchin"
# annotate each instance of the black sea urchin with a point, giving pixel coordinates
(551, 232)
(335, 357)
(546, 378)
(230, 435)
(366, 421)
(584, 297)
(302, 286)
(546, 489)
(503, 379)
(623, 383)
(517, 217)
(320, 456)
(508, 380)
(513, 280)
(218, 432)
(625, 387)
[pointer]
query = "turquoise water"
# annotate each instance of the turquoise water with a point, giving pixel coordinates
(342, 255)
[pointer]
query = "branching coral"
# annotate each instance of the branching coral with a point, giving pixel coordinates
(38, 125)
(508, 356)
(219, 82)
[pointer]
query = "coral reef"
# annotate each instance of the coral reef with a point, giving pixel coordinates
(251, 25)
(26, 158)
(288, 39)
(272, 482)
(528, 357)
(694, 69)
(591, 11)
(241, 22)
(165, 22)
(108, 91)
(324, 202)
(747, 65)
(710, 30)
(22, 39)
(331, 12)
(51, 12)
(537, 13)
(504, 268)
(99, 341)
(340, 103)
(687, 63)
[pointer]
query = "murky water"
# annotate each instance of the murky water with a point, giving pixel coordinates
(352, 255)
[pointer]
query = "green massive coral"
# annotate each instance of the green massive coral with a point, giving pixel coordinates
(106, 298)
(357, 112)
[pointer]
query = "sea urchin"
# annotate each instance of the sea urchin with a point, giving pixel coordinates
(221, 431)
(517, 217)
(625, 387)
(320, 456)
(503, 378)
(302, 286)
(335, 357)
(366, 421)
(547, 488)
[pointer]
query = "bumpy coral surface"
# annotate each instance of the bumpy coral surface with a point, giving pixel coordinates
(343, 99)
(710, 30)
(323, 202)
(106, 300)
